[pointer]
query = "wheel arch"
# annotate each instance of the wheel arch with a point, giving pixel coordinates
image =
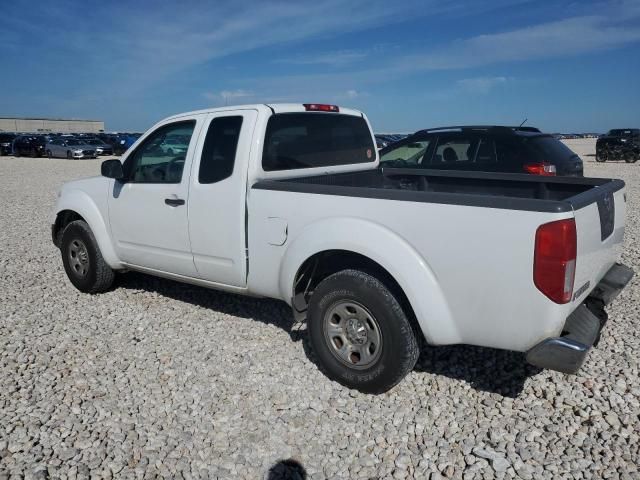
(334, 244)
(77, 205)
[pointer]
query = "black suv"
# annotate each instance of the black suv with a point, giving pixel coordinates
(619, 144)
(29, 145)
(485, 149)
(6, 141)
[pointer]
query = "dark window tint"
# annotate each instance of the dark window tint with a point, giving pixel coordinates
(308, 140)
(486, 152)
(548, 149)
(219, 151)
(510, 152)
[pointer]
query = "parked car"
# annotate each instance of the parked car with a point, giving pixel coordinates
(119, 142)
(29, 145)
(288, 201)
(619, 144)
(173, 145)
(485, 149)
(102, 148)
(381, 142)
(6, 141)
(70, 147)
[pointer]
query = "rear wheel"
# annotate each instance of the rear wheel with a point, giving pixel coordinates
(360, 334)
(631, 158)
(49, 156)
(82, 260)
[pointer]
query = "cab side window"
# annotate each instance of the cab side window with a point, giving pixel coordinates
(161, 157)
(219, 150)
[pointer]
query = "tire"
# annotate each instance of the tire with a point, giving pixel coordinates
(631, 159)
(49, 156)
(353, 309)
(82, 260)
(601, 156)
(69, 157)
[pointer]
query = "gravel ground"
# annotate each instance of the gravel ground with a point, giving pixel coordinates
(156, 378)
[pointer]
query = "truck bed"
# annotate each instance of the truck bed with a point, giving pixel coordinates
(494, 190)
(479, 260)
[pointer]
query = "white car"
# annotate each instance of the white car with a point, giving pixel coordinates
(289, 202)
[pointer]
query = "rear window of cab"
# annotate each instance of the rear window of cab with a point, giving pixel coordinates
(311, 140)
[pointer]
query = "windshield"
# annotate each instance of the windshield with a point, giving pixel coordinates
(308, 140)
(624, 132)
(407, 154)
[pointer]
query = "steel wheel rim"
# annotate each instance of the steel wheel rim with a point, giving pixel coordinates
(352, 334)
(78, 257)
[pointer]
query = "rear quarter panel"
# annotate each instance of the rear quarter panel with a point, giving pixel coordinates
(472, 278)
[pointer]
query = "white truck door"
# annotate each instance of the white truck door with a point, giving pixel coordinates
(148, 211)
(217, 197)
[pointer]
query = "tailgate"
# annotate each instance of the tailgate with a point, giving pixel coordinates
(600, 221)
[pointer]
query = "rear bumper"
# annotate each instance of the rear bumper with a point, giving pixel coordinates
(582, 328)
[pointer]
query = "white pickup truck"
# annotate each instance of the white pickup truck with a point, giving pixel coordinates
(289, 202)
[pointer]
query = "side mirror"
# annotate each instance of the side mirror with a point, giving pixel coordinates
(112, 169)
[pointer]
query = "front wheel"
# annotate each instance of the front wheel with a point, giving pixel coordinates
(359, 332)
(601, 156)
(82, 260)
(631, 159)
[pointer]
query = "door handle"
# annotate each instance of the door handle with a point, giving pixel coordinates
(174, 202)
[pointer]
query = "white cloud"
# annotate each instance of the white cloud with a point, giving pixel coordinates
(229, 97)
(480, 85)
(569, 37)
(334, 59)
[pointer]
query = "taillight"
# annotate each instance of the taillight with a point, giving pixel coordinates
(554, 263)
(320, 107)
(540, 168)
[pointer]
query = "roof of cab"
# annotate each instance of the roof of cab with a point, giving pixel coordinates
(274, 107)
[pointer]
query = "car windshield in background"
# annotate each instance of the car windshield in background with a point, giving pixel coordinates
(624, 132)
(407, 155)
(308, 140)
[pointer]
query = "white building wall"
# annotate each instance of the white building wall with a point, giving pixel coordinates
(43, 125)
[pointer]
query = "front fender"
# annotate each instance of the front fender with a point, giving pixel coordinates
(80, 202)
(390, 251)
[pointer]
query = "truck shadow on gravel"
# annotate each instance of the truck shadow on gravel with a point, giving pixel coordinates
(484, 369)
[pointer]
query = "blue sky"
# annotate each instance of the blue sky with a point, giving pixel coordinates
(565, 65)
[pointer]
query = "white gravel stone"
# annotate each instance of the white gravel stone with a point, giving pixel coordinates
(156, 378)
